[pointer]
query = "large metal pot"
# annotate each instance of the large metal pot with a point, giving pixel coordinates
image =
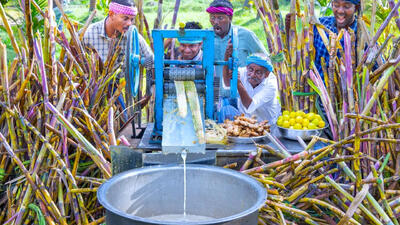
(226, 195)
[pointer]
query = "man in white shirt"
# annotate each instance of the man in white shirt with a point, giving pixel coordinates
(257, 87)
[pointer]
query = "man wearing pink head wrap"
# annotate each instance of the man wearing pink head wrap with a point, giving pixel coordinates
(221, 13)
(105, 35)
(110, 33)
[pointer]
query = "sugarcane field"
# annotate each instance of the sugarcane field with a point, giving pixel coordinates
(172, 112)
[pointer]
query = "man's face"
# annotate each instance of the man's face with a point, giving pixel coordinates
(189, 51)
(344, 13)
(121, 22)
(256, 74)
(221, 23)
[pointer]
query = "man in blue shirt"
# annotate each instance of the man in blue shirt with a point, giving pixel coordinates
(344, 12)
(221, 12)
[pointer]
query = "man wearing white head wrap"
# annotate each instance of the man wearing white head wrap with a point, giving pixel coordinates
(258, 89)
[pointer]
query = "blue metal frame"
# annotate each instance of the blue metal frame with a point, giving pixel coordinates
(159, 62)
(234, 60)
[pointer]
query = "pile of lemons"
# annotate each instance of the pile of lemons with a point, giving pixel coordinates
(300, 120)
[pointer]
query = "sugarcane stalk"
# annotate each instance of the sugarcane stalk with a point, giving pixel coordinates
(383, 26)
(37, 188)
(262, 168)
(194, 105)
(336, 210)
(9, 30)
(379, 88)
(6, 92)
(383, 196)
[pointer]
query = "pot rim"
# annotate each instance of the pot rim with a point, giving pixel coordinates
(260, 189)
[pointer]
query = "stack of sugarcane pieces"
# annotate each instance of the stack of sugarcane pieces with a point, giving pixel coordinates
(59, 116)
(319, 186)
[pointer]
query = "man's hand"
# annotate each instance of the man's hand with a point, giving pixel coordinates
(229, 50)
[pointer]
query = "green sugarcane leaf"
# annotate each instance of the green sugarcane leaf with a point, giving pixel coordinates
(277, 58)
(38, 212)
(313, 86)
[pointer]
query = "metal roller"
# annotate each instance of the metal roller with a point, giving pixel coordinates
(169, 88)
(189, 73)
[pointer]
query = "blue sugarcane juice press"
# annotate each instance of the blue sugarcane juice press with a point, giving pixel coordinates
(173, 132)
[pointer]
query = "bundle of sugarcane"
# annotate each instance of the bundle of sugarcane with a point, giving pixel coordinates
(57, 123)
(296, 44)
(318, 186)
(358, 80)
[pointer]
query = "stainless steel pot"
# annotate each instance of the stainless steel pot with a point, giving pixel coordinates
(226, 195)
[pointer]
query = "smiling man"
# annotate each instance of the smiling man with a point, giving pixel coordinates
(105, 35)
(344, 12)
(190, 48)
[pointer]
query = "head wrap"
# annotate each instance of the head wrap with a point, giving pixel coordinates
(221, 6)
(355, 2)
(259, 61)
(190, 40)
(122, 9)
(227, 11)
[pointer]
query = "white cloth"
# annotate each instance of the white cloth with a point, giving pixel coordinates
(265, 104)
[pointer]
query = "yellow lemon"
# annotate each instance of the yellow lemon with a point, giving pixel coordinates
(291, 127)
(305, 122)
(318, 117)
(310, 116)
(286, 124)
(305, 128)
(321, 124)
(285, 112)
(297, 126)
(286, 118)
(312, 126)
(280, 118)
(279, 122)
(292, 121)
(292, 115)
(300, 113)
(299, 119)
(315, 121)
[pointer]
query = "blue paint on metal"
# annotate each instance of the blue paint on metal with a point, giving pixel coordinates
(234, 61)
(159, 80)
(207, 63)
(134, 61)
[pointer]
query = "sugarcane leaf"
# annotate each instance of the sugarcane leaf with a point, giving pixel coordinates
(277, 58)
(38, 212)
(313, 86)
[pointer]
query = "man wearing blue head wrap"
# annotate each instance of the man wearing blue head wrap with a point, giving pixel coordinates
(190, 48)
(257, 87)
